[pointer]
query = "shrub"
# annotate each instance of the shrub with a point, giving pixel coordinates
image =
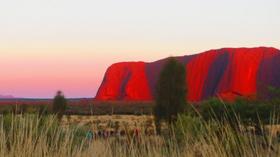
(212, 108)
(59, 105)
(241, 112)
(170, 92)
(43, 110)
(188, 126)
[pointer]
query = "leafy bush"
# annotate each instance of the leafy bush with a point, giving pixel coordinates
(241, 112)
(59, 105)
(170, 92)
(188, 126)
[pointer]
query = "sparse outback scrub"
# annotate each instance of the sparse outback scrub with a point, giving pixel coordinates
(34, 136)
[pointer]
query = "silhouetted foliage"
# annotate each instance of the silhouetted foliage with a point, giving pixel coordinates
(188, 126)
(59, 105)
(170, 92)
(248, 112)
(43, 110)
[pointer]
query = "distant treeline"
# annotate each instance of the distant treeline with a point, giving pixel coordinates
(92, 107)
(85, 106)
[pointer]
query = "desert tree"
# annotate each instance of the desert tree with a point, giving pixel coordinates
(171, 90)
(59, 105)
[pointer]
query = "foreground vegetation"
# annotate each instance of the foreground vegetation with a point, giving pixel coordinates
(30, 135)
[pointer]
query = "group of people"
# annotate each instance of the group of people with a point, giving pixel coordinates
(135, 133)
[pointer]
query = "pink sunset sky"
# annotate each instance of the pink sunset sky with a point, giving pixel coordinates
(67, 45)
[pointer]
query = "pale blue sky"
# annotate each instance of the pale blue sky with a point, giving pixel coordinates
(91, 35)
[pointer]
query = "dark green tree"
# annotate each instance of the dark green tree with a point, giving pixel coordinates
(59, 105)
(171, 93)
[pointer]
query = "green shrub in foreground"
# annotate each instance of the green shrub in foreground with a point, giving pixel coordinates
(170, 93)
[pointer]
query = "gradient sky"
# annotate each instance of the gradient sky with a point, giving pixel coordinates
(46, 45)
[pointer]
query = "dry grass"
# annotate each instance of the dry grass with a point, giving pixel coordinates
(33, 136)
(102, 122)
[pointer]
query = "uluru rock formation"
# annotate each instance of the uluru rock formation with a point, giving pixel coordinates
(226, 73)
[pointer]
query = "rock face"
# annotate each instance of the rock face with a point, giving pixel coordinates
(226, 73)
(125, 81)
